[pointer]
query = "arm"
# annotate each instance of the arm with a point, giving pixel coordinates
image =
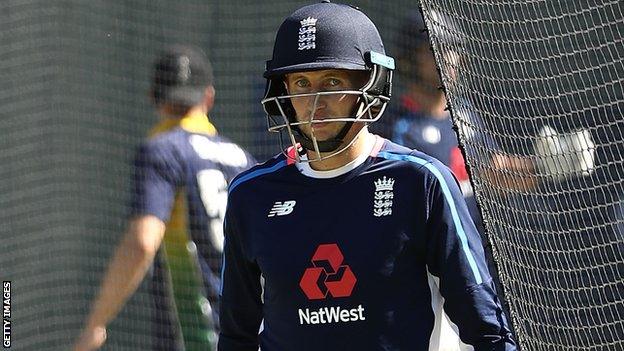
(155, 180)
(556, 156)
(511, 172)
(126, 270)
(455, 256)
(241, 303)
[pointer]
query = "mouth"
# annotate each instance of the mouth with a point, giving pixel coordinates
(317, 118)
(321, 121)
(320, 125)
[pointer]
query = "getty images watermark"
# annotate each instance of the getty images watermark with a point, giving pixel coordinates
(6, 314)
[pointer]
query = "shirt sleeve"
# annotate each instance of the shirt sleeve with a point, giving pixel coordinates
(241, 302)
(455, 255)
(157, 175)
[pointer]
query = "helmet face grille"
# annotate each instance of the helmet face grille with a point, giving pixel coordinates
(370, 103)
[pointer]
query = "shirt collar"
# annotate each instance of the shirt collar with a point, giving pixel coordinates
(305, 169)
(195, 122)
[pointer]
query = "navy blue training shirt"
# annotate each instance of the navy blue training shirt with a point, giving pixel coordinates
(181, 176)
(366, 257)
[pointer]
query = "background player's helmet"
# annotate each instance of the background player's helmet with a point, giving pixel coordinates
(411, 37)
(414, 36)
(319, 37)
(181, 75)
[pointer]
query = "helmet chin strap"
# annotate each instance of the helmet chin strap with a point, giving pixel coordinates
(329, 145)
(334, 143)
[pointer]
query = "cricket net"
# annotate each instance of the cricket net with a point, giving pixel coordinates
(536, 90)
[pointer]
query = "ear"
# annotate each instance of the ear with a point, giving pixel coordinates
(209, 96)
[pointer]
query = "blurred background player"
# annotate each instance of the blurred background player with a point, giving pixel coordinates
(347, 241)
(181, 177)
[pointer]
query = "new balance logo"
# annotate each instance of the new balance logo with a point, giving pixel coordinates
(282, 208)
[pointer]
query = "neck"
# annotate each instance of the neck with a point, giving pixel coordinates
(167, 113)
(357, 148)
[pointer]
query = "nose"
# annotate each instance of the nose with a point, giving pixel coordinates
(316, 104)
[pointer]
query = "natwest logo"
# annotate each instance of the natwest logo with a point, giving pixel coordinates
(327, 275)
(335, 314)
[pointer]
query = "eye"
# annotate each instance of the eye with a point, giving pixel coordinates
(302, 83)
(334, 82)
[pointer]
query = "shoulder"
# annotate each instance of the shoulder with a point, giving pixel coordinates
(167, 140)
(399, 154)
(220, 149)
(255, 173)
(412, 161)
(189, 145)
(160, 146)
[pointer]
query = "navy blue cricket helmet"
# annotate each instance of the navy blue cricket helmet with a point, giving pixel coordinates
(326, 36)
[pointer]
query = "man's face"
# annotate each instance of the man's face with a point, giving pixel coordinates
(324, 107)
(427, 70)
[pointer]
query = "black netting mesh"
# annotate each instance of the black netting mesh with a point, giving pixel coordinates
(537, 94)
